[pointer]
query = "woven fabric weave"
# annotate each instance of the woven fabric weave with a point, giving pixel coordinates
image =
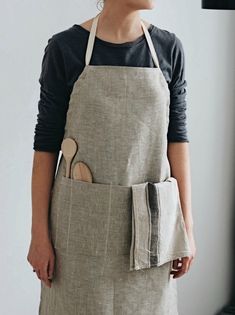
(119, 117)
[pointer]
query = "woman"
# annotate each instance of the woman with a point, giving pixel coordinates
(114, 87)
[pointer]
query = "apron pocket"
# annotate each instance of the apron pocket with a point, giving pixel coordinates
(91, 218)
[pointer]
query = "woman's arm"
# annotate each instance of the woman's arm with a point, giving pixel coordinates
(41, 253)
(178, 142)
(49, 132)
(43, 171)
(179, 159)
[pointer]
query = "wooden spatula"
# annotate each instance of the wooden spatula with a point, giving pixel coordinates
(69, 148)
(82, 172)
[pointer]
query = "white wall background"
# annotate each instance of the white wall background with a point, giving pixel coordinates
(209, 43)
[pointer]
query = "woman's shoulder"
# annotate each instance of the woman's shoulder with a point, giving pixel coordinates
(66, 49)
(169, 40)
(73, 34)
(170, 51)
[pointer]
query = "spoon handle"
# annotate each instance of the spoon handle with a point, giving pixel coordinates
(68, 167)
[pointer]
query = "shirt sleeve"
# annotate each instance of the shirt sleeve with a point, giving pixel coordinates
(53, 100)
(177, 130)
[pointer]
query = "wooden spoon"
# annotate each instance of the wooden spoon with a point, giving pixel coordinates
(69, 148)
(82, 172)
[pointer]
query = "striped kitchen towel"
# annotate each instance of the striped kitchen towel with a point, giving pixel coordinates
(158, 230)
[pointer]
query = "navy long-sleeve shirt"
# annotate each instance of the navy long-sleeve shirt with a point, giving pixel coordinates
(64, 60)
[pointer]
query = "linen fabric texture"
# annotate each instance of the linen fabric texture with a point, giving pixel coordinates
(115, 238)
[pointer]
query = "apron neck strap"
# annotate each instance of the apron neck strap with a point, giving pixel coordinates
(92, 34)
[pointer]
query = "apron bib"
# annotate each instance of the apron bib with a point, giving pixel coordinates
(115, 238)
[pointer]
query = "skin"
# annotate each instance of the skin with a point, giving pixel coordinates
(119, 22)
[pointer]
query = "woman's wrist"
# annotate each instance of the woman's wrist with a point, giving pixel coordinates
(39, 231)
(189, 225)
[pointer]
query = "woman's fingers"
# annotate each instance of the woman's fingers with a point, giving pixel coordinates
(37, 270)
(51, 267)
(41, 256)
(181, 267)
(45, 276)
(177, 263)
(47, 270)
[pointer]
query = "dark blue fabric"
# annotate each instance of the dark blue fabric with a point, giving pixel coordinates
(64, 59)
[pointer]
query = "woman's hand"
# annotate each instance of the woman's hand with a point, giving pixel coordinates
(181, 266)
(41, 256)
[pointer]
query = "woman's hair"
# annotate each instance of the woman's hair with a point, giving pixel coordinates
(100, 3)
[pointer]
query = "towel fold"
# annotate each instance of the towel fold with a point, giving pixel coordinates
(158, 229)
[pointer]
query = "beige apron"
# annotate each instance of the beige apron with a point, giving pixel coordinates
(115, 238)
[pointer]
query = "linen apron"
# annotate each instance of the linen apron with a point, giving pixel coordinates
(115, 238)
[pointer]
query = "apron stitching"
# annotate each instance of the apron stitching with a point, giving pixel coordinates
(136, 231)
(149, 231)
(106, 239)
(69, 219)
(158, 225)
(57, 217)
(150, 225)
(132, 234)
